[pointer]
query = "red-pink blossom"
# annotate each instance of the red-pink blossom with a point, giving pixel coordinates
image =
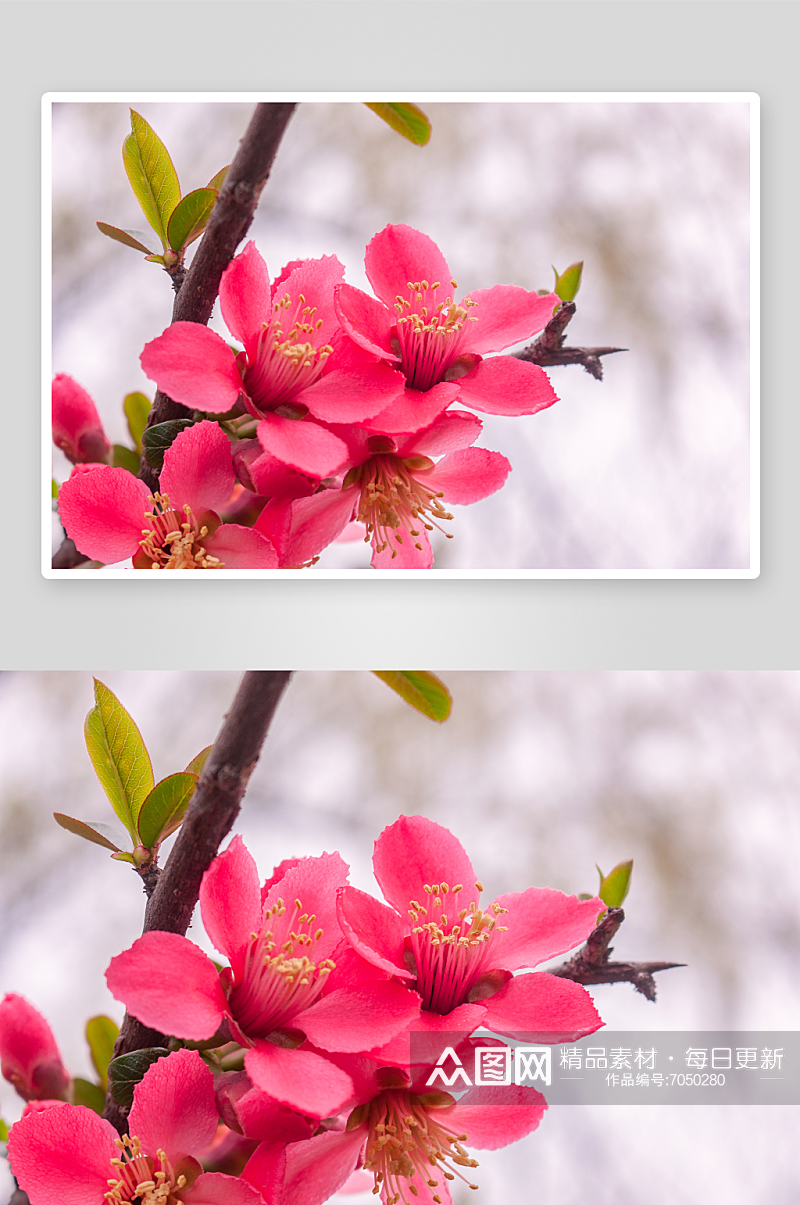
(77, 427)
(394, 487)
(29, 1056)
(461, 956)
(67, 1155)
(408, 1138)
(295, 367)
(417, 326)
(283, 985)
(111, 515)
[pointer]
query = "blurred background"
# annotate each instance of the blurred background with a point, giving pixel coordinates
(540, 774)
(647, 471)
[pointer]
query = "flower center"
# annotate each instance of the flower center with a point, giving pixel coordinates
(174, 543)
(280, 977)
(405, 1140)
(394, 503)
(140, 1179)
(451, 955)
(280, 365)
(430, 332)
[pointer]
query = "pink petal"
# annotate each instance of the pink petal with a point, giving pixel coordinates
(230, 902)
(407, 555)
(542, 923)
(353, 394)
(544, 1008)
(414, 851)
(103, 512)
(303, 445)
(174, 1108)
(468, 475)
(501, 1115)
(504, 385)
(198, 469)
(506, 315)
(278, 873)
(366, 321)
(412, 410)
(77, 427)
(313, 524)
(315, 1169)
(360, 1181)
(263, 1118)
(241, 548)
(244, 294)
(62, 1156)
(300, 1079)
(315, 881)
(400, 256)
(214, 1188)
(451, 431)
(316, 280)
(193, 366)
(374, 930)
(354, 1019)
(266, 1169)
(29, 1056)
(422, 1041)
(272, 479)
(144, 978)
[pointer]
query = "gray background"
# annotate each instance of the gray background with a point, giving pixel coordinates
(465, 46)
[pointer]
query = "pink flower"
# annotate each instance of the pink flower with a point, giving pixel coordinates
(459, 956)
(29, 1056)
(68, 1155)
(409, 1138)
(418, 327)
(111, 515)
(283, 943)
(393, 487)
(77, 427)
(294, 365)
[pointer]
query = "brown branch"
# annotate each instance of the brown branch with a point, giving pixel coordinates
(591, 965)
(548, 350)
(67, 556)
(229, 222)
(210, 817)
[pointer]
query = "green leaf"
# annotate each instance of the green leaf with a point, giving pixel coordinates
(118, 753)
(92, 1096)
(151, 174)
(99, 834)
(164, 808)
(422, 690)
(568, 283)
(197, 763)
(218, 180)
(101, 1034)
(125, 1072)
(158, 438)
(54, 488)
(137, 407)
(189, 217)
(126, 458)
(122, 856)
(3, 1131)
(406, 119)
(614, 885)
(140, 240)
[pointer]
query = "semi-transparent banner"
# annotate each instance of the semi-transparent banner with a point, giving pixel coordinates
(675, 1067)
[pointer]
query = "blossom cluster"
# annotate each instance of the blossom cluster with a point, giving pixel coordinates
(308, 1080)
(343, 414)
